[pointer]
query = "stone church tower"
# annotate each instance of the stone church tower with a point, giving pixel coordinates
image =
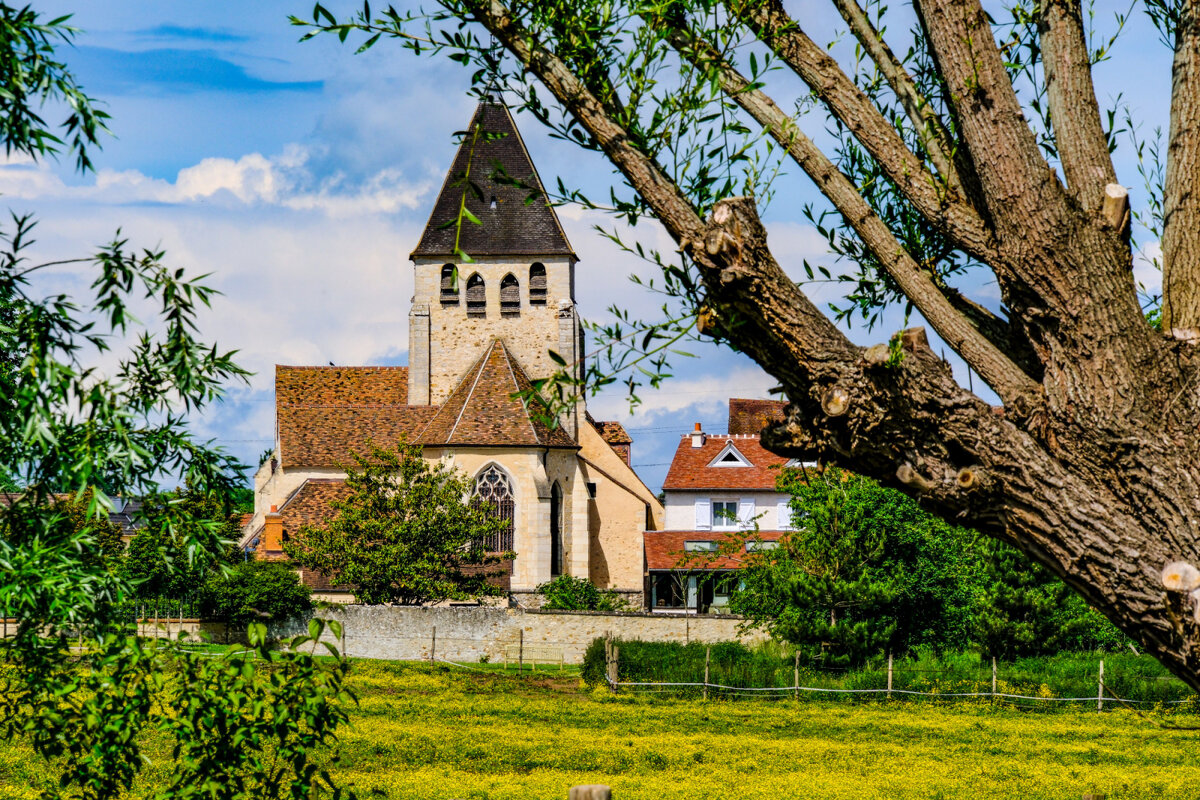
(519, 284)
(482, 327)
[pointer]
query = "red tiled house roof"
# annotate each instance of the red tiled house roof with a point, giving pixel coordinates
(482, 412)
(664, 550)
(690, 468)
(751, 416)
(325, 413)
(310, 505)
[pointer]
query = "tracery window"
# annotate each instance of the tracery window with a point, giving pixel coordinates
(493, 487)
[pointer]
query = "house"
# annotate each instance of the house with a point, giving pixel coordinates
(720, 502)
(480, 333)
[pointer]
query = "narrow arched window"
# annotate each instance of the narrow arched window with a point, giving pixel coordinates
(510, 296)
(476, 297)
(493, 488)
(557, 554)
(449, 285)
(537, 284)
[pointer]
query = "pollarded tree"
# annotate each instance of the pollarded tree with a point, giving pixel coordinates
(407, 533)
(989, 157)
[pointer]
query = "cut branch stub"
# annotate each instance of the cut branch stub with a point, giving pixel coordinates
(1114, 209)
(707, 320)
(835, 401)
(971, 478)
(913, 339)
(907, 474)
(877, 355)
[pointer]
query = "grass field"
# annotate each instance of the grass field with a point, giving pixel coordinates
(422, 732)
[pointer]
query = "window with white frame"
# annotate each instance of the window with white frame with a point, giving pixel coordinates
(757, 545)
(695, 546)
(725, 514)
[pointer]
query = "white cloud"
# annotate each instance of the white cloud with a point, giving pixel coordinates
(284, 180)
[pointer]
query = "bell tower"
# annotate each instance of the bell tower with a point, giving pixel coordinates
(519, 284)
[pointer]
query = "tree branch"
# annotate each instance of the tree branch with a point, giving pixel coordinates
(1008, 338)
(1074, 113)
(934, 136)
(1181, 190)
(948, 211)
(1018, 185)
(1005, 378)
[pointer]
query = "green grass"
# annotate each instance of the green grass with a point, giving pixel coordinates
(438, 732)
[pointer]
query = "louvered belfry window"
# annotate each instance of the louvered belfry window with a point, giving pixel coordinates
(510, 297)
(493, 488)
(537, 284)
(476, 297)
(449, 285)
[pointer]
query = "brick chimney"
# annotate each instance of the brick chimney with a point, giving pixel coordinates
(698, 436)
(272, 536)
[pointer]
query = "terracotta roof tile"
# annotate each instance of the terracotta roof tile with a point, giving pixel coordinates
(482, 411)
(360, 386)
(324, 413)
(751, 416)
(612, 432)
(665, 549)
(515, 227)
(324, 436)
(690, 468)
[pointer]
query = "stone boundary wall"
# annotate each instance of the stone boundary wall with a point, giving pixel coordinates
(465, 634)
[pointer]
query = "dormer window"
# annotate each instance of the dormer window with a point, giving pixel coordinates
(730, 456)
(476, 297)
(537, 284)
(510, 296)
(449, 285)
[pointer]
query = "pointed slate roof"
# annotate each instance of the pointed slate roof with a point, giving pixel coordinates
(514, 227)
(481, 411)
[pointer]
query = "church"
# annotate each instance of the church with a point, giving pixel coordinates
(480, 331)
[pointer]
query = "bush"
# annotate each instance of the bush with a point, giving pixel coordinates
(566, 593)
(254, 590)
(730, 663)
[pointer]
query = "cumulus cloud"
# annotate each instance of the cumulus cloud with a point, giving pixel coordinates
(283, 180)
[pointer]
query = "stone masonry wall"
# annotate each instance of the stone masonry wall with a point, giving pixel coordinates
(466, 633)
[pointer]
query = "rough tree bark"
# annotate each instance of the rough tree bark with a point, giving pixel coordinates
(1091, 464)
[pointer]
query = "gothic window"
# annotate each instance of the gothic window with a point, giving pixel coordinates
(449, 285)
(476, 297)
(493, 488)
(510, 296)
(556, 539)
(537, 284)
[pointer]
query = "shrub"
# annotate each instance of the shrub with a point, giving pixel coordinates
(253, 590)
(566, 593)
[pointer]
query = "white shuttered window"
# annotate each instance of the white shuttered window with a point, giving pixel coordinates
(746, 512)
(703, 514)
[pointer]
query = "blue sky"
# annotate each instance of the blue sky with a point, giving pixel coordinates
(300, 175)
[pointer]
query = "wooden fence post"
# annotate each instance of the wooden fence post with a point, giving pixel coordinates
(889, 691)
(796, 676)
(993, 677)
(433, 646)
(1100, 688)
(595, 791)
(521, 651)
(707, 654)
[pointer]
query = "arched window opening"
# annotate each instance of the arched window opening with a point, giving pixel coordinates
(510, 296)
(537, 284)
(494, 489)
(449, 285)
(556, 540)
(476, 297)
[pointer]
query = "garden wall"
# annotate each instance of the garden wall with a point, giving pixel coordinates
(467, 633)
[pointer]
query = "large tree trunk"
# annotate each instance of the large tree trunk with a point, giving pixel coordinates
(1091, 465)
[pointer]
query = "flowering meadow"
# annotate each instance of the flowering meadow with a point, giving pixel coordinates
(441, 732)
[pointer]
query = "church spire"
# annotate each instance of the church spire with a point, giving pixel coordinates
(510, 226)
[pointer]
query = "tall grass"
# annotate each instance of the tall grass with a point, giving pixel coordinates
(1126, 676)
